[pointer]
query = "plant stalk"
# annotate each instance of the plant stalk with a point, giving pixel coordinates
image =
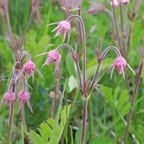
(133, 99)
(84, 116)
(11, 108)
(116, 27)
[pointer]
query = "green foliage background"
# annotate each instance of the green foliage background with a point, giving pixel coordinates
(109, 103)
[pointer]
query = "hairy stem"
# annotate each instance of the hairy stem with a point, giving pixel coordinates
(11, 108)
(116, 27)
(84, 116)
(104, 54)
(83, 37)
(23, 119)
(90, 121)
(76, 62)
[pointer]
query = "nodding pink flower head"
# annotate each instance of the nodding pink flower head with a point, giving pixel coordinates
(23, 97)
(9, 98)
(70, 5)
(53, 56)
(120, 64)
(63, 27)
(29, 67)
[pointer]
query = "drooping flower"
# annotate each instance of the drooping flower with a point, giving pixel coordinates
(63, 27)
(120, 64)
(23, 97)
(70, 5)
(29, 67)
(9, 98)
(53, 56)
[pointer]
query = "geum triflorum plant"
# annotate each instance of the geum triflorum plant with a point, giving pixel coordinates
(85, 86)
(18, 84)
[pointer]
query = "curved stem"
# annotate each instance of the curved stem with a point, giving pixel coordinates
(84, 115)
(83, 35)
(76, 62)
(116, 50)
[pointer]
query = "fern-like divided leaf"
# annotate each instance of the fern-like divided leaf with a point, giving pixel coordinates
(50, 131)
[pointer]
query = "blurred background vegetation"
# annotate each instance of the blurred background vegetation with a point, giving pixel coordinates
(110, 101)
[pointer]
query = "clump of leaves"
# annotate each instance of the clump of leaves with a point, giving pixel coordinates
(50, 131)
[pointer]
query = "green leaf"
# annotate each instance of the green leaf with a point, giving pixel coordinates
(72, 83)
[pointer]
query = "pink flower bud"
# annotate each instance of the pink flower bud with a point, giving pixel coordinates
(120, 64)
(23, 97)
(70, 5)
(29, 67)
(63, 27)
(9, 97)
(53, 56)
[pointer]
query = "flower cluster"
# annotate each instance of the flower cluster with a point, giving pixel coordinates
(63, 27)
(23, 97)
(9, 98)
(53, 56)
(19, 74)
(120, 64)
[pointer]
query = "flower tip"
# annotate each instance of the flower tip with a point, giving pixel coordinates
(43, 65)
(131, 69)
(56, 35)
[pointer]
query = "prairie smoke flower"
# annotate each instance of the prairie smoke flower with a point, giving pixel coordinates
(70, 5)
(120, 64)
(9, 98)
(29, 67)
(63, 27)
(23, 97)
(53, 56)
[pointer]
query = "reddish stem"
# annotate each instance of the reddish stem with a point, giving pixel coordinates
(84, 115)
(133, 99)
